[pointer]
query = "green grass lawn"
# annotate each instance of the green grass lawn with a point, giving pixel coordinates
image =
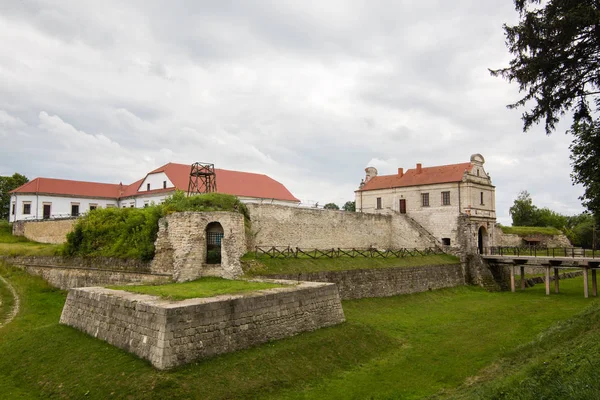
(264, 265)
(408, 347)
(20, 246)
(203, 287)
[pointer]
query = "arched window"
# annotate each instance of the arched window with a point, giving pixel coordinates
(214, 237)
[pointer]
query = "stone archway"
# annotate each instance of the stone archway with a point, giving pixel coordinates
(482, 239)
(214, 239)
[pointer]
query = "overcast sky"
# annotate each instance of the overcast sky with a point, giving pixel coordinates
(308, 92)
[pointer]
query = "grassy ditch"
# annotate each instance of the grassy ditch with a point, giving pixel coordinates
(411, 346)
(529, 230)
(265, 265)
(561, 363)
(203, 287)
(20, 246)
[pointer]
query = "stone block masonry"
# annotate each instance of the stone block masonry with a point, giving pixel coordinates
(274, 225)
(384, 282)
(172, 333)
(66, 273)
(45, 231)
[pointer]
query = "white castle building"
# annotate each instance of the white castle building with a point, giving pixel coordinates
(435, 197)
(47, 198)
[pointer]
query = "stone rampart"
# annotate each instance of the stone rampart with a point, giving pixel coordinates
(45, 231)
(513, 240)
(274, 225)
(70, 277)
(171, 333)
(383, 282)
(66, 273)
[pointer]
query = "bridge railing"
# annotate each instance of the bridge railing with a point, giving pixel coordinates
(538, 251)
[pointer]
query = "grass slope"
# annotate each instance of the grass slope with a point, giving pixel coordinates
(529, 230)
(264, 265)
(203, 287)
(409, 346)
(20, 246)
(562, 363)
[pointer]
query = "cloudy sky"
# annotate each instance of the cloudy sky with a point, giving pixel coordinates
(308, 92)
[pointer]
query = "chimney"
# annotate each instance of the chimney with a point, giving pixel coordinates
(419, 168)
(401, 171)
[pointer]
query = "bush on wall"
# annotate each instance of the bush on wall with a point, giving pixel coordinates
(131, 232)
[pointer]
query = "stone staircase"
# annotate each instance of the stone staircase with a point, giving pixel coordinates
(422, 231)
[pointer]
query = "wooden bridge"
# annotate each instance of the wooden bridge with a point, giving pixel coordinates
(549, 259)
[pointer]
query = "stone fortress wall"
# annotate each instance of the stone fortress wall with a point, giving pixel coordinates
(384, 282)
(45, 231)
(274, 225)
(170, 333)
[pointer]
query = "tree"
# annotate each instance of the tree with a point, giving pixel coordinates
(331, 206)
(556, 49)
(349, 206)
(523, 212)
(8, 183)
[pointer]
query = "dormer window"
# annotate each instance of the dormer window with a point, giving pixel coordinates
(148, 187)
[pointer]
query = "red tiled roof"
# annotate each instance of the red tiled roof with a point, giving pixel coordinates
(230, 182)
(69, 188)
(238, 183)
(427, 176)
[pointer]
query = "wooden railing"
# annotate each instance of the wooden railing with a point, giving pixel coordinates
(295, 252)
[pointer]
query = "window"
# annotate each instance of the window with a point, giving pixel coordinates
(445, 198)
(446, 241)
(26, 208)
(425, 199)
(14, 207)
(379, 203)
(148, 187)
(146, 204)
(93, 206)
(131, 205)
(74, 210)
(477, 171)
(481, 198)
(164, 184)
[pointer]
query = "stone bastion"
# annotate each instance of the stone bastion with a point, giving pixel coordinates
(171, 333)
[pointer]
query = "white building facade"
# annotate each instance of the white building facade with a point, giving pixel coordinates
(435, 197)
(47, 198)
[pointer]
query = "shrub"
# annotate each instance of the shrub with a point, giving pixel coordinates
(131, 232)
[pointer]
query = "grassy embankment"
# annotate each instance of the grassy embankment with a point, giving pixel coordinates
(265, 265)
(529, 230)
(19, 246)
(203, 287)
(409, 346)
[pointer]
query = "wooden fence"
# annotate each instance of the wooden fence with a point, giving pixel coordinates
(295, 252)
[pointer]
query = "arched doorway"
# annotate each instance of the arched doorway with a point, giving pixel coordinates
(482, 239)
(214, 237)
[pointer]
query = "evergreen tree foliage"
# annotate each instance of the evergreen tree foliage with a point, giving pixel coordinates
(556, 50)
(331, 206)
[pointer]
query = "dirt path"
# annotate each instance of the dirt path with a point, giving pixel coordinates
(15, 308)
